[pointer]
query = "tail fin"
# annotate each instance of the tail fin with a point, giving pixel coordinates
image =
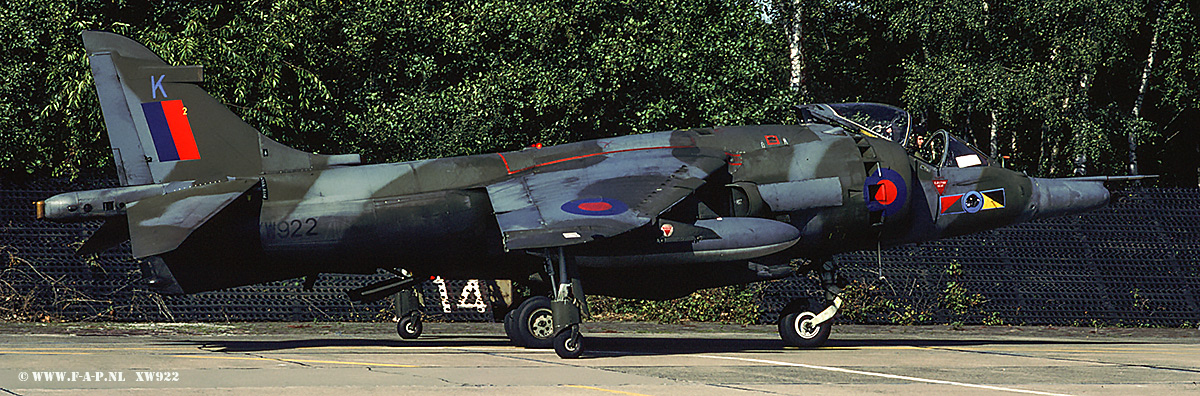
(163, 127)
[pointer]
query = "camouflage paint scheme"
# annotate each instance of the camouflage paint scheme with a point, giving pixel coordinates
(651, 216)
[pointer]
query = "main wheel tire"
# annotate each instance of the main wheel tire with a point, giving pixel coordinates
(797, 330)
(510, 325)
(409, 327)
(535, 323)
(568, 344)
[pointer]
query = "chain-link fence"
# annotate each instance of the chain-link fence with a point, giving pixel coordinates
(1136, 262)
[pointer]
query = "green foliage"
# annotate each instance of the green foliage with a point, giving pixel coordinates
(730, 304)
(864, 303)
(409, 80)
(1060, 77)
(399, 80)
(954, 303)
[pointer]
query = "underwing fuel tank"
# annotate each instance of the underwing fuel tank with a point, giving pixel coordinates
(704, 241)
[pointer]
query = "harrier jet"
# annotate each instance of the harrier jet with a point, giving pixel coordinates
(209, 203)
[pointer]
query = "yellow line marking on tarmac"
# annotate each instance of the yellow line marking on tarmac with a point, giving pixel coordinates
(403, 348)
(42, 353)
(605, 390)
(1174, 350)
(217, 348)
(101, 348)
(882, 375)
(283, 360)
(864, 347)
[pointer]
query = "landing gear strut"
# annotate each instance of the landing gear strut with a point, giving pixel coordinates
(800, 325)
(541, 322)
(568, 306)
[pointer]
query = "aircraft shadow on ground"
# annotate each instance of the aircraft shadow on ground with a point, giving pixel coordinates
(615, 345)
(279, 345)
(622, 346)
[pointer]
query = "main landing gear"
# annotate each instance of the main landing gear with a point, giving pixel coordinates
(531, 324)
(541, 322)
(806, 325)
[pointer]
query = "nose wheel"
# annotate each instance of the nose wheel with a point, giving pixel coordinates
(806, 325)
(800, 329)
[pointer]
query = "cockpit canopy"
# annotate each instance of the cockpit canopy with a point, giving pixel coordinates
(945, 150)
(882, 121)
(871, 119)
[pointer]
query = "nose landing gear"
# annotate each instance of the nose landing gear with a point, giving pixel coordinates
(807, 325)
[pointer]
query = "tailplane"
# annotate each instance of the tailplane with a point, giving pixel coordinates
(164, 128)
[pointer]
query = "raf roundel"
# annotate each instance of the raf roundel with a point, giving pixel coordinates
(885, 191)
(595, 207)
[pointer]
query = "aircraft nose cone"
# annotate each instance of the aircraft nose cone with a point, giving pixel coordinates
(1060, 197)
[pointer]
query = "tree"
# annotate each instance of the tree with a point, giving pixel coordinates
(1042, 82)
(405, 80)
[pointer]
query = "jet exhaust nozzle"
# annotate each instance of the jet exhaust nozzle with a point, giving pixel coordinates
(1061, 197)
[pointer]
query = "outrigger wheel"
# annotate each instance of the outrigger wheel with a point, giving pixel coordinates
(409, 327)
(408, 308)
(568, 344)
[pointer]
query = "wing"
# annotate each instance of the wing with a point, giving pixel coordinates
(600, 195)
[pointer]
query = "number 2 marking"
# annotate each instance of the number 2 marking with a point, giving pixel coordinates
(312, 225)
(298, 223)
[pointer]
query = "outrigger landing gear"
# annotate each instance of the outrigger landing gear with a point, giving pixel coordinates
(568, 306)
(408, 308)
(408, 301)
(799, 326)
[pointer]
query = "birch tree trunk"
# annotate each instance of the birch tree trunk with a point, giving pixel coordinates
(994, 134)
(796, 49)
(1137, 103)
